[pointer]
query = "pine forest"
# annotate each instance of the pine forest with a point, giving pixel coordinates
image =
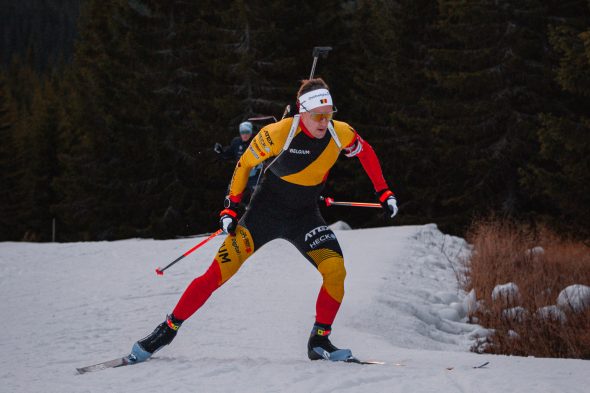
(109, 110)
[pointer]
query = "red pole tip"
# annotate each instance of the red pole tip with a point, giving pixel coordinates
(159, 272)
(329, 201)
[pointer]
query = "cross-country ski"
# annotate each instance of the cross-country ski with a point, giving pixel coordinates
(117, 362)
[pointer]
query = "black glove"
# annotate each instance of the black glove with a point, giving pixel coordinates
(228, 218)
(217, 148)
(388, 201)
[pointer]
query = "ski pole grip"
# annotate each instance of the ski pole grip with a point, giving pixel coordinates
(321, 51)
(329, 201)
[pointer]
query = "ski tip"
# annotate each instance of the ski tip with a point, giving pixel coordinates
(372, 362)
(358, 361)
(117, 362)
(159, 272)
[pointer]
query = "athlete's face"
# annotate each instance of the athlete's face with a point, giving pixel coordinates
(317, 120)
(245, 137)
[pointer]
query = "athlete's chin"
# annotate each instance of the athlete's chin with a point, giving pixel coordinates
(320, 133)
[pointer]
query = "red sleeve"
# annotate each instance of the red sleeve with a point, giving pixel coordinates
(369, 161)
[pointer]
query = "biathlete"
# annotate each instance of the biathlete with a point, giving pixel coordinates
(234, 152)
(285, 205)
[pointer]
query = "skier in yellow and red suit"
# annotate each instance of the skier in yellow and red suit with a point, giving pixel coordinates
(285, 206)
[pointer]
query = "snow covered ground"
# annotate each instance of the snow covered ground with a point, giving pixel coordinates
(69, 305)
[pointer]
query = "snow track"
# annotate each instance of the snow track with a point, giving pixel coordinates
(75, 304)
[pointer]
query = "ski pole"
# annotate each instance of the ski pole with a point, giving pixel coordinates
(160, 271)
(331, 202)
(317, 52)
(260, 118)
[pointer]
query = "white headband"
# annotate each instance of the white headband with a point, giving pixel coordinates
(313, 99)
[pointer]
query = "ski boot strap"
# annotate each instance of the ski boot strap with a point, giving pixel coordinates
(173, 323)
(321, 330)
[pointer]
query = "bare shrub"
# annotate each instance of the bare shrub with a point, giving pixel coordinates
(539, 264)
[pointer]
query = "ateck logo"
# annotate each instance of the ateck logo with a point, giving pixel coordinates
(267, 137)
(315, 231)
(299, 151)
(319, 235)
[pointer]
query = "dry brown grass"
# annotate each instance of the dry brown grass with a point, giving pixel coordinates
(505, 252)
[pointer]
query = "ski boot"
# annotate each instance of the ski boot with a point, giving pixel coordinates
(320, 347)
(163, 335)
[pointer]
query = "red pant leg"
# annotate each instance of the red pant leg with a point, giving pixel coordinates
(198, 291)
(230, 257)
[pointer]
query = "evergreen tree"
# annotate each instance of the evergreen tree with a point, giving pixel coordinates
(39, 146)
(23, 91)
(490, 72)
(383, 81)
(180, 46)
(40, 29)
(560, 175)
(262, 51)
(140, 109)
(9, 170)
(85, 186)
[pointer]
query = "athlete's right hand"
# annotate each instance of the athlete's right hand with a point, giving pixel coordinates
(388, 201)
(228, 218)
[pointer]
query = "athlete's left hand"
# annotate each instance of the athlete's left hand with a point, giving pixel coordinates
(388, 202)
(228, 218)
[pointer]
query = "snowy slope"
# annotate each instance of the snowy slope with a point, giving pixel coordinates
(69, 305)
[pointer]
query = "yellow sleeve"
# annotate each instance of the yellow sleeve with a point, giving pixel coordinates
(266, 144)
